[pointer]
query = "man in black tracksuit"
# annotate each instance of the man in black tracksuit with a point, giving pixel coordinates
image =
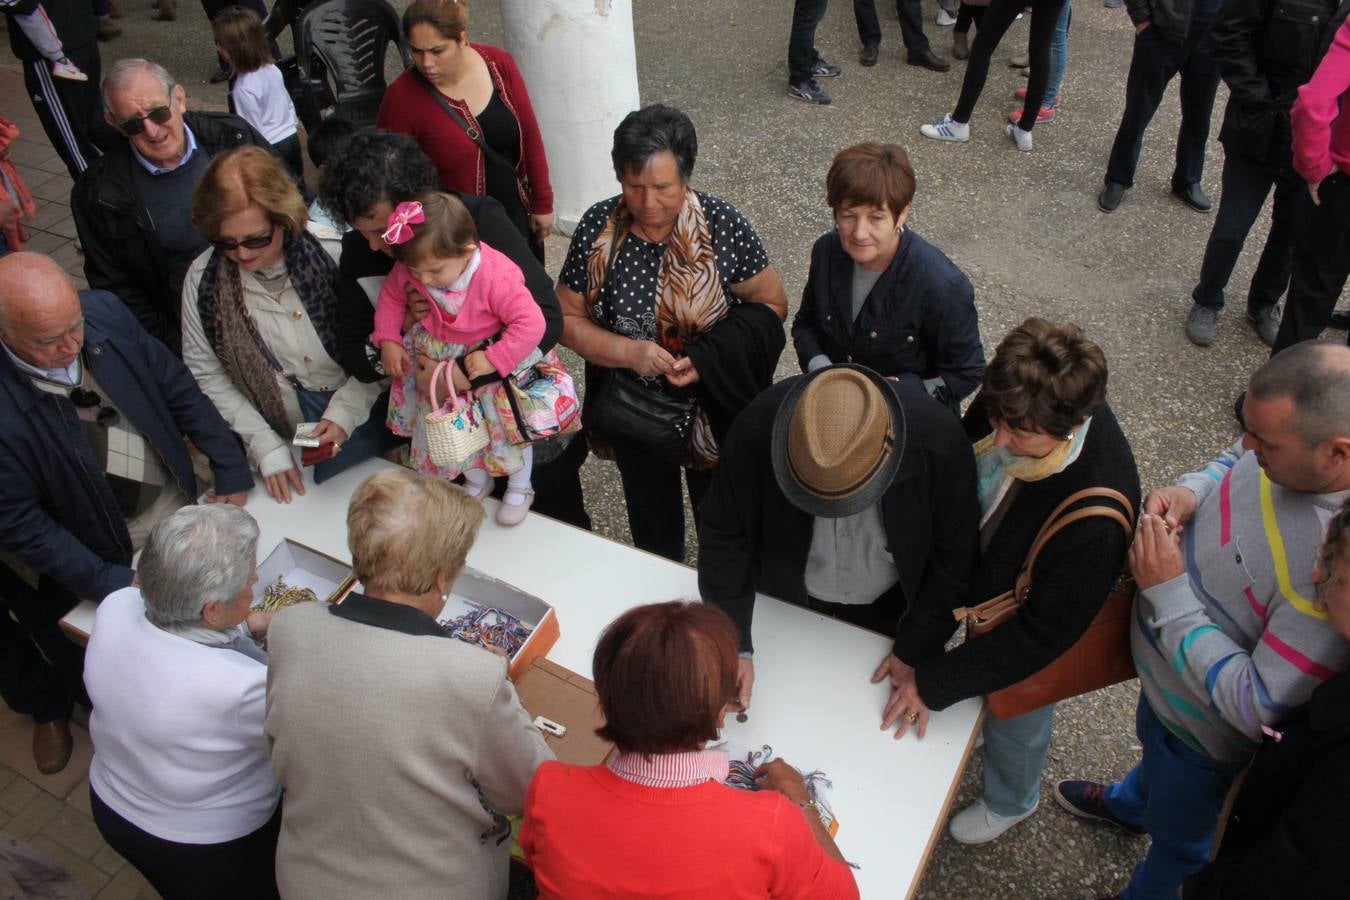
(1265, 49)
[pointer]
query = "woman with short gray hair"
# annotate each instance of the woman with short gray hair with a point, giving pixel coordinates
(180, 782)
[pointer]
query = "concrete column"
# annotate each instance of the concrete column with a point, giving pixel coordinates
(578, 60)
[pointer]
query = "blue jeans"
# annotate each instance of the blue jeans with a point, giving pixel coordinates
(1014, 754)
(1059, 56)
(1175, 793)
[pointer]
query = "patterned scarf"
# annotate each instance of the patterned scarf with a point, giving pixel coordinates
(996, 469)
(12, 189)
(689, 295)
(231, 331)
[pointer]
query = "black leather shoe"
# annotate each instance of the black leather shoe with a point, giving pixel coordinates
(222, 75)
(1194, 197)
(928, 60)
(868, 56)
(1109, 198)
(1340, 319)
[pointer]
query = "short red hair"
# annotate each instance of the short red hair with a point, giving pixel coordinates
(664, 673)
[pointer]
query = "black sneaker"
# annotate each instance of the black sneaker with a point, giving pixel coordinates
(809, 91)
(1087, 799)
(1194, 197)
(822, 69)
(1266, 324)
(1110, 197)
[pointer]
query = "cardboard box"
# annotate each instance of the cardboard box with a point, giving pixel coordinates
(301, 566)
(547, 689)
(473, 585)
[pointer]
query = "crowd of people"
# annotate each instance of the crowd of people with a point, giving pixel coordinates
(902, 478)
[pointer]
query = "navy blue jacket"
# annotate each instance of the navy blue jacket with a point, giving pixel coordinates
(57, 512)
(917, 323)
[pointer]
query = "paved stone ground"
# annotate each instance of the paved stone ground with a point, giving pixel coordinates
(1024, 227)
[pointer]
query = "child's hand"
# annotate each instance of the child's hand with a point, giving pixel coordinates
(394, 358)
(476, 364)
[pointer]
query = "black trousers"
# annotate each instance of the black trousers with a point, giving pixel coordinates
(41, 670)
(911, 23)
(1156, 61)
(968, 15)
(71, 112)
(651, 492)
(1321, 263)
(1246, 184)
(244, 867)
(1000, 15)
(881, 615)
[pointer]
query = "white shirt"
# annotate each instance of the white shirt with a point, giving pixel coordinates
(849, 560)
(177, 726)
(260, 97)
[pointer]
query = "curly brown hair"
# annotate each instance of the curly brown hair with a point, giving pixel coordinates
(1044, 377)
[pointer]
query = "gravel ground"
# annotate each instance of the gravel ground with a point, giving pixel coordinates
(1025, 229)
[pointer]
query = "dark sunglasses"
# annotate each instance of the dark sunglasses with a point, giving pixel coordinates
(160, 115)
(257, 242)
(83, 398)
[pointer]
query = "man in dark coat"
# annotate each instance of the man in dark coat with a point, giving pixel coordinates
(131, 207)
(849, 494)
(1265, 51)
(92, 417)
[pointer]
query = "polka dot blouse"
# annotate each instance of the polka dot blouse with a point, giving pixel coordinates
(627, 305)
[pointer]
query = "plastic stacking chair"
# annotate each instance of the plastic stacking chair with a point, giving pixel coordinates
(340, 51)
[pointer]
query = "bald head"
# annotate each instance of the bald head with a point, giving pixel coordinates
(40, 317)
(1315, 375)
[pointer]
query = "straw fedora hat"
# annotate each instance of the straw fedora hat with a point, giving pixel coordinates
(837, 440)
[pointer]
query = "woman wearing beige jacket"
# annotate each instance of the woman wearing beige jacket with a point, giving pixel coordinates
(260, 324)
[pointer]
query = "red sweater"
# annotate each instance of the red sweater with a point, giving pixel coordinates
(408, 108)
(590, 834)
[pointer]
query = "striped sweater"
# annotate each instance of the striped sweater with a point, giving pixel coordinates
(1236, 641)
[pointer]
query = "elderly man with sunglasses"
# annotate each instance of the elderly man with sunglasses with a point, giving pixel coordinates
(93, 411)
(131, 205)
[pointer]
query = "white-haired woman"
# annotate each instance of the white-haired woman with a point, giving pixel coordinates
(180, 782)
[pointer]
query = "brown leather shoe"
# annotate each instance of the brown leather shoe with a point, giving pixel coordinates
(52, 745)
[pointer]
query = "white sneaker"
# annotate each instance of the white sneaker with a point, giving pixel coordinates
(946, 129)
(978, 824)
(1019, 137)
(64, 68)
(945, 19)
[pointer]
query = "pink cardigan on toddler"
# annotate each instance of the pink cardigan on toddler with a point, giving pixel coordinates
(495, 302)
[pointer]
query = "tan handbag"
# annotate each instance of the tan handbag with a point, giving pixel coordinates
(456, 431)
(1100, 657)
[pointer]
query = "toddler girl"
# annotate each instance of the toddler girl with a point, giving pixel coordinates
(257, 92)
(480, 314)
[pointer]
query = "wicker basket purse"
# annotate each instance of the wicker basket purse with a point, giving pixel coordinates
(455, 431)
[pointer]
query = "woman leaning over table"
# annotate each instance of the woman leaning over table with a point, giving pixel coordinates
(494, 147)
(180, 783)
(670, 287)
(260, 316)
(400, 748)
(683, 833)
(878, 294)
(1042, 432)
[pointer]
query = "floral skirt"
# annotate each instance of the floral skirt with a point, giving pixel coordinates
(408, 409)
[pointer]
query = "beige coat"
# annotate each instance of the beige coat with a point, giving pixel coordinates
(388, 746)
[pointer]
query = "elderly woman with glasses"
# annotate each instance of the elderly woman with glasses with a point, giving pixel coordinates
(180, 781)
(260, 313)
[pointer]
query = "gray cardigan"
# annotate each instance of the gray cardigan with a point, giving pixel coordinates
(399, 750)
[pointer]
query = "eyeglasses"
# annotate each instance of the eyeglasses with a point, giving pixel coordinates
(257, 242)
(160, 115)
(83, 398)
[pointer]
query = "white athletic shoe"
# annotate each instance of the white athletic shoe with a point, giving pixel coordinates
(946, 129)
(64, 68)
(1019, 137)
(978, 824)
(945, 19)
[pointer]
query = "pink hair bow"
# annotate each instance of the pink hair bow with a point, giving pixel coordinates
(401, 220)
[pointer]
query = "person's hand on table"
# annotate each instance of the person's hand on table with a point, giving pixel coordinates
(905, 707)
(1155, 555)
(239, 498)
(777, 775)
(745, 681)
(1174, 504)
(649, 358)
(682, 373)
(258, 622)
(281, 484)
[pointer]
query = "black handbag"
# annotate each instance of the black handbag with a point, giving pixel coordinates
(621, 408)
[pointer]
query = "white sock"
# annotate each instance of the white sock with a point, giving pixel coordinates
(519, 481)
(477, 482)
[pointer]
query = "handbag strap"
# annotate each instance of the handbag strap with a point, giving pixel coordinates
(473, 133)
(1057, 522)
